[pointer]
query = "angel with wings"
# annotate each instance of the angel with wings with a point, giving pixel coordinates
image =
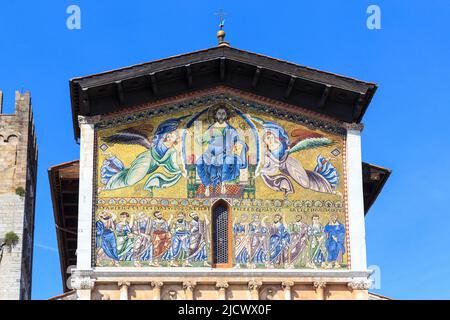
(160, 153)
(279, 164)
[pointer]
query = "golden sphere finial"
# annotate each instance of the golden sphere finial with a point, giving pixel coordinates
(221, 33)
(221, 36)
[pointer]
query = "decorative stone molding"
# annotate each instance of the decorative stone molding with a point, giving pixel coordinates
(222, 285)
(124, 283)
(254, 285)
(82, 283)
(359, 285)
(353, 126)
(123, 286)
(189, 285)
(287, 285)
(156, 284)
(320, 289)
(89, 120)
(319, 285)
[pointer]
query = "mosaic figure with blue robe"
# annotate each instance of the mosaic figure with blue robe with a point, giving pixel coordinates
(198, 239)
(219, 163)
(242, 241)
(105, 236)
(179, 249)
(335, 242)
(316, 244)
(278, 242)
(258, 241)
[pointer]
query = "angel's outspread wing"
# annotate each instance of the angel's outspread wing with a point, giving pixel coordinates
(310, 143)
(130, 136)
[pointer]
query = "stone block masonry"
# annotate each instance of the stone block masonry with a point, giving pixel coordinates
(18, 164)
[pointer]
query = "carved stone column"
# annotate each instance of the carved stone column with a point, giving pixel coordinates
(156, 285)
(254, 286)
(287, 286)
(123, 287)
(360, 289)
(320, 289)
(222, 286)
(188, 287)
(83, 286)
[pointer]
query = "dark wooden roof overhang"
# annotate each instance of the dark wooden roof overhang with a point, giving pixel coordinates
(374, 179)
(340, 97)
(64, 184)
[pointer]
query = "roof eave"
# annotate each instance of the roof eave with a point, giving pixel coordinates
(81, 85)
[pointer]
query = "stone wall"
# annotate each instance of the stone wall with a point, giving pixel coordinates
(18, 163)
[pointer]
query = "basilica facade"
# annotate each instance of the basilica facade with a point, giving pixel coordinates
(217, 174)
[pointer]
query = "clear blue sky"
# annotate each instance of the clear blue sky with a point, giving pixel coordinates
(407, 126)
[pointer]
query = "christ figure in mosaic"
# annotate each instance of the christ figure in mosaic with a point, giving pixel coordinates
(335, 241)
(279, 164)
(160, 153)
(198, 239)
(278, 242)
(220, 163)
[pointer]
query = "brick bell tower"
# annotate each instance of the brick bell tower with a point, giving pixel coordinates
(18, 163)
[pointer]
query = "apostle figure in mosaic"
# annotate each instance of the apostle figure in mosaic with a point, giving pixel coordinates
(220, 164)
(258, 241)
(179, 250)
(143, 246)
(242, 241)
(198, 239)
(316, 243)
(161, 237)
(278, 242)
(160, 153)
(105, 237)
(335, 242)
(279, 164)
(299, 241)
(125, 237)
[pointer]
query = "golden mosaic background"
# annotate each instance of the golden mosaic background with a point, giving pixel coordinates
(267, 202)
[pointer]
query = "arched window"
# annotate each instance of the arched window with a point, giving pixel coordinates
(13, 139)
(221, 238)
